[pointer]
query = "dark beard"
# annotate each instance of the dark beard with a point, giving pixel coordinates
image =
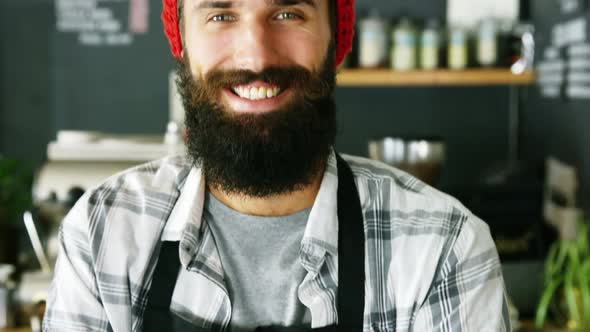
(267, 154)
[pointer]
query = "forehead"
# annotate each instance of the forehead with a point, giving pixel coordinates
(245, 3)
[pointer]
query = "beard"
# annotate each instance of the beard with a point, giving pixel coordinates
(260, 155)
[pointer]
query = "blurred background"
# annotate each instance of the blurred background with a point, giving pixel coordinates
(486, 100)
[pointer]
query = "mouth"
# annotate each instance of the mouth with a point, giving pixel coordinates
(255, 92)
(256, 97)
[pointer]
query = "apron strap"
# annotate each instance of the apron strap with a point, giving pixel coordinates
(157, 316)
(351, 251)
(351, 269)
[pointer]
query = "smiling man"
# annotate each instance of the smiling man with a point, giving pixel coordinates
(263, 226)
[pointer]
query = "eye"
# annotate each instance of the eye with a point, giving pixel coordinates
(288, 16)
(222, 18)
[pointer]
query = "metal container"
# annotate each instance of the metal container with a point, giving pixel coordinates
(421, 157)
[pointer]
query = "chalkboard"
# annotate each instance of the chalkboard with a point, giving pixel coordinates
(563, 50)
(557, 124)
(111, 66)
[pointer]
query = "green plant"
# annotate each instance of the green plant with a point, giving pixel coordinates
(567, 273)
(15, 190)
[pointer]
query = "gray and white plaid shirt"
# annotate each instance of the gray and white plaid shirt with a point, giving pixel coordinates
(431, 265)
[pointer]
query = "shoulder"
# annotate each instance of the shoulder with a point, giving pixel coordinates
(414, 217)
(158, 178)
(163, 175)
(142, 196)
(406, 201)
(414, 228)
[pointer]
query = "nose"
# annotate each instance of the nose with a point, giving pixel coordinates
(255, 48)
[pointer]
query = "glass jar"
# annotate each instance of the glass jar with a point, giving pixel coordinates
(430, 46)
(458, 48)
(372, 42)
(6, 290)
(487, 43)
(403, 50)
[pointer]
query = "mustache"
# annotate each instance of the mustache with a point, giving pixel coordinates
(310, 85)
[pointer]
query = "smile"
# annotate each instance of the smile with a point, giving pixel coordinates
(256, 97)
(256, 91)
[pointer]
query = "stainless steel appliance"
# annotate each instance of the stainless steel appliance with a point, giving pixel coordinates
(78, 161)
(421, 157)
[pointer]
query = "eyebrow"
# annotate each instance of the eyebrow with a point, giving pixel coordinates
(229, 4)
(215, 4)
(293, 2)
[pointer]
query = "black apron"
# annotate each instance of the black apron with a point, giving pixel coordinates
(351, 276)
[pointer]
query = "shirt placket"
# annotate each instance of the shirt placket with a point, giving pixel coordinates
(199, 256)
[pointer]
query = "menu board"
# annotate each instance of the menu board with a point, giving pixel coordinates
(104, 22)
(563, 67)
(110, 66)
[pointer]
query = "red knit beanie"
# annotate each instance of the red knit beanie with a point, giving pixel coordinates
(344, 25)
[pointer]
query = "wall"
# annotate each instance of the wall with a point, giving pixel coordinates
(557, 127)
(26, 116)
(120, 89)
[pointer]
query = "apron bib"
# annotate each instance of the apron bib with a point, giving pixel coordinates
(351, 271)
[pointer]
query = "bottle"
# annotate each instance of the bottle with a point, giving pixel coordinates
(404, 46)
(6, 289)
(430, 46)
(487, 43)
(372, 41)
(173, 138)
(457, 56)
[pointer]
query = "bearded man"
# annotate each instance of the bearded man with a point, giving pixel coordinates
(263, 226)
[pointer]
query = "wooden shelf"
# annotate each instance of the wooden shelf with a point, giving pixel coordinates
(470, 77)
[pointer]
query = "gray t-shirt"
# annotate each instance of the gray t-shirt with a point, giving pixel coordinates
(260, 258)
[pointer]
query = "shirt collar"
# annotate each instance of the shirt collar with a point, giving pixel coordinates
(321, 232)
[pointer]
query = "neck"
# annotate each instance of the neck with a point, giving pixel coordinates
(273, 206)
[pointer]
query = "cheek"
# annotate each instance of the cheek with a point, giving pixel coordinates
(204, 52)
(305, 49)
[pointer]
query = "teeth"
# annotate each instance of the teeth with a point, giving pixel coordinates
(255, 93)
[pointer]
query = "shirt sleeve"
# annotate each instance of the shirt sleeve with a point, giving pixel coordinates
(468, 293)
(73, 303)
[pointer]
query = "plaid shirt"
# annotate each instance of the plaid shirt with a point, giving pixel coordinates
(431, 265)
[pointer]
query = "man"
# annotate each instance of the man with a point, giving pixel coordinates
(263, 226)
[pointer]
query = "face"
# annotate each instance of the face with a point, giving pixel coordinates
(254, 35)
(257, 79)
